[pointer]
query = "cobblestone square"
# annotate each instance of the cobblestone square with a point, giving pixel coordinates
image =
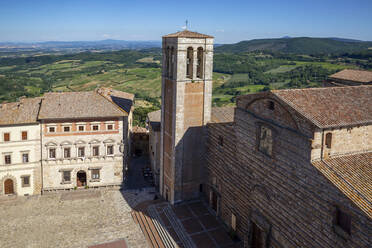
(73, 219)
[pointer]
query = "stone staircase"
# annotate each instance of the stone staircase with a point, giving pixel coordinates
(156, 235)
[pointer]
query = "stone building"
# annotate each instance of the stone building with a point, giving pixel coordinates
(65, 140)
(139, 141)
(84, 138)
(20, 171)
(286, 168)
(153, 127)
(349, 77)
(297, 171)
(186, 108)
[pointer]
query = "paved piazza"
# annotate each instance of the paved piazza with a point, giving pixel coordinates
(72, 219)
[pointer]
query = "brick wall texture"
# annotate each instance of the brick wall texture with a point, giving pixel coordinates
(284, 195)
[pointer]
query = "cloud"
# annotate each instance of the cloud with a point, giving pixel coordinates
(106, 36)
(220, 30)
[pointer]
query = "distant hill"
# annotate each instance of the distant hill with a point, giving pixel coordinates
(300, 45)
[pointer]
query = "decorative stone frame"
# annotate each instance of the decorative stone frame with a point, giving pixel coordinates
(62, 177)
(91, 171)
(29, 182)
(2, 181)
(261, 222)
(109, 142)
(50, 145)
(274, 134)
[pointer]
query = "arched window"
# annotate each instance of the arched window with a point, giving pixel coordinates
(265, 144)
(189, 61)
(328, 140)
(167, 62)
(200, 65)
(172, 63)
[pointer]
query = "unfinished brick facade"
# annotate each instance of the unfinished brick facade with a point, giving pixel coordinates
(291, 196)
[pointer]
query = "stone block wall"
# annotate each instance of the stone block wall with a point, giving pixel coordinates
(283, 195)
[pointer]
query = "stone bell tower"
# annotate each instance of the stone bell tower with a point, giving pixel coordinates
(186, 109)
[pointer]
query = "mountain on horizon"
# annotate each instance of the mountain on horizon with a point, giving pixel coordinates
(298, 45)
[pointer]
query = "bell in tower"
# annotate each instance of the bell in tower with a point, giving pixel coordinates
(186, 109)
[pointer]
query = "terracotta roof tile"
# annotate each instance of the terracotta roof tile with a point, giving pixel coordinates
(137, 129)
(222, 114)
(123, 99)
(88, 104)
(353, 75)
(187, 34)
(23, 112)
(331, 106)
(352, 175)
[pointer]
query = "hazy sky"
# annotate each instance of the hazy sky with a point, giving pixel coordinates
(229, 20)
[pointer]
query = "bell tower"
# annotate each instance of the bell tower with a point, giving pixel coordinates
(186, 109)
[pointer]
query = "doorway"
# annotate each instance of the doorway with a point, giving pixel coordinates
(8, 187)
(81, 179)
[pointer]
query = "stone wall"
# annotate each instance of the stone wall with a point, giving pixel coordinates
(283, 195)
(111, 166)
(16, 147)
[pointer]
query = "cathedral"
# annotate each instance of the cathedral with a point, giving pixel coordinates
(283, 168)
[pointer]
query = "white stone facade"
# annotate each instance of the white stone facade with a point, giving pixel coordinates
(22, 153)
(108, 162)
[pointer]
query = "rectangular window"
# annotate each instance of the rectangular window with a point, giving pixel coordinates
(24, 135)
(6, 137)
(25, 158)
(110, 127)
(66, 176)
(52, 129)
(8, 159)
(110, 150)
(52, 152)
(81, 152)
(66, 129)
(95, 127)
(265, 141)
(95, 174)
(25, 181)
(95, 151)
(67, 152)
(343, 220)
(81, 128)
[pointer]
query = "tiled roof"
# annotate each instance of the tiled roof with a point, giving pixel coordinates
(352, 175)
(154, 116)
(331, 106)
(154, 119)
(89, 104)
(222, 114)
(353, 75)
(123, 99)
(137, 129)
(23, 112)
(187, 34)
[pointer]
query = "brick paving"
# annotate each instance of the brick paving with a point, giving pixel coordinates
(74, 219)
(190, 225)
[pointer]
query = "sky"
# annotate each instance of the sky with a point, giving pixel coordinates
(229, 21)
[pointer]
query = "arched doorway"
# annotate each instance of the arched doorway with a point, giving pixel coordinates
(81, 179)
(8, 186)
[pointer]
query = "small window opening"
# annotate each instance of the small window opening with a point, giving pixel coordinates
(271, 105)
(189, 61)
(220, 140)
(328, 140)
(343, 220)
(66, 129)
(200, 65)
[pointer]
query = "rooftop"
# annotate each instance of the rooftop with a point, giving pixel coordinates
(154, 119)
(89, 104)
(187, 34)
(352, 175)
(222, 114)
(22, 112)
(353, 75)
(331, 106)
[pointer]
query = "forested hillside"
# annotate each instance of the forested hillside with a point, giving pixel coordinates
(301, 45)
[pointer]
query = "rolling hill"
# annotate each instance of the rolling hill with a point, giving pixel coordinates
(300, 45)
